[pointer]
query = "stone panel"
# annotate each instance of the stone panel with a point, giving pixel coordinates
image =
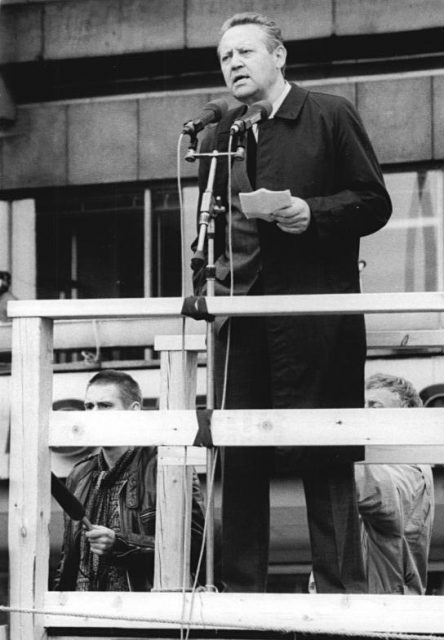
(397, 114)
(20, 33)
(161, 121)
(96, 28)
(438, 117)
(36, 156)
(224, 95)
(344, 89)
(4, 2)
(353, 17)
(298, 19)
(102, 141)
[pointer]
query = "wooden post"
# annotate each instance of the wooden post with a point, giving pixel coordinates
(178, 370)
(29, 489)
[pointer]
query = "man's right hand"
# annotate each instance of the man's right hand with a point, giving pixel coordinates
(295, 218)
(101, 539)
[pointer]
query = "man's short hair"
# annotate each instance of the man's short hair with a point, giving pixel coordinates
(406, 392)
(129, 389)
(273, 34)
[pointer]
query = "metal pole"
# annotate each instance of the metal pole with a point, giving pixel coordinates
(210, 405)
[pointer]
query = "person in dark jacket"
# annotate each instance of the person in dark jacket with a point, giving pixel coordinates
(5, 294)
(314, 145)
(117, 487)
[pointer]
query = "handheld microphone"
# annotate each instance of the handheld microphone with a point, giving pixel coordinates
(69, 503)
(212, 112)
(258, 112)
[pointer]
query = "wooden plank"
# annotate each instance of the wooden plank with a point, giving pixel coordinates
(236, 306)
(178, 372)
(171, 428)
(29, 499)
(332, 614)
(432, 454)
(405, 339)
(97, 309)
(178, 342)
(252, 427)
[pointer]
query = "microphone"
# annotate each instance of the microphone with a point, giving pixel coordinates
(69, 503)
(258, 112)
(212, 112)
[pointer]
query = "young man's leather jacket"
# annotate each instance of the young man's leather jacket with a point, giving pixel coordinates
(134, 547)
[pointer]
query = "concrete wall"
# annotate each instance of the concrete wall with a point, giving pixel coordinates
(58, 29)
(135, 137)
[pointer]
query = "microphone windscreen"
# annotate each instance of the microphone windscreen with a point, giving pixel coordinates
(265, 108)
(218, 107)
(69, 503)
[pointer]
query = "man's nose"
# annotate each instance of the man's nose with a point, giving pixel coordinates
(236, 61)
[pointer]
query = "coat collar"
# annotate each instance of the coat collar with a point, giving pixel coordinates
(293, 103)
(289, 109)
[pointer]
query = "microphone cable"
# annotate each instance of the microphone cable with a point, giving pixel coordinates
(184, 635)
(231, 263)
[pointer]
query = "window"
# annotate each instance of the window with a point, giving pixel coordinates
(90, 245)
(166, 243)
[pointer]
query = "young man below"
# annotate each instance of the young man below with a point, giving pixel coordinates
(117, 487)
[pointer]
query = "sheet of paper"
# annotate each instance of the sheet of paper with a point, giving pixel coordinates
(262, 202)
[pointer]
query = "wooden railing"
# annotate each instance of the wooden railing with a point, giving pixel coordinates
(392, 435)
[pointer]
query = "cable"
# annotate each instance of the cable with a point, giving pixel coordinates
(186, 516)
(225, 382)
(186, 523)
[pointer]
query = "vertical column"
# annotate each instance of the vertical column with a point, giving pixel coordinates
(29, 489)
(5, 236)
(148, 254)
(178, 371)
(23, 263)
(190, 201)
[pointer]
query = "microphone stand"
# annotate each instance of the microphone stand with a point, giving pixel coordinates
(209, 209)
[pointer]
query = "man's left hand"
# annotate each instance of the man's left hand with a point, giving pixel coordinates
(295, 218)
(101, 539)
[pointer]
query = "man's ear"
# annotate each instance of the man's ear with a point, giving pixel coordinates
(135, 406)
(280, 54)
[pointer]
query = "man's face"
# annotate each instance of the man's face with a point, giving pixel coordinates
(381, 399)
(103, 397)
(250, 71)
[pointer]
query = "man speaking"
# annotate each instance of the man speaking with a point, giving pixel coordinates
(315, 146)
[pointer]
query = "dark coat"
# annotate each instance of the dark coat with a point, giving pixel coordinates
(317, 147)
(134, 547)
